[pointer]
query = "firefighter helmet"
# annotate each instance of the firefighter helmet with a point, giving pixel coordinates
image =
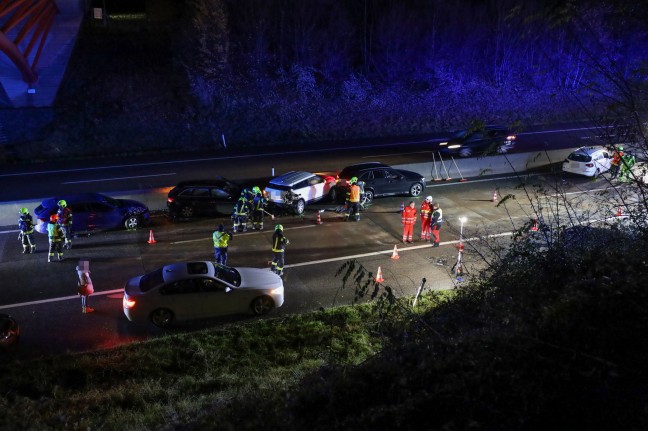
(279, 227)
(353, 180)
(256, 190)
(428, 199)
(24, 211)
(53, 218)
(620, 147)
(62, 203)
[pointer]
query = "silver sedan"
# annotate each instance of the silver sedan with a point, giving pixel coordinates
(193, 290)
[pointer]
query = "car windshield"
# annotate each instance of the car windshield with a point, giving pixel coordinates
(461, 134)
(227, 274)
(579, 157)
(150, 280)
(110, 201)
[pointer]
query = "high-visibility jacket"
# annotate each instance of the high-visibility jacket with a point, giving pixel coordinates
(279, 241)
(54, 232)
(241, 207)
(425, 210)
(354, 193)
(437, 216)
(616, 157)
(26, 224)
(221, 239)
(409, 215)
(64, 216)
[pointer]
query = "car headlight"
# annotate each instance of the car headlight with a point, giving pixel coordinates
(455, 146)
(443, 144)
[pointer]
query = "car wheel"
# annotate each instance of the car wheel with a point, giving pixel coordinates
(162, 317)
(416, 189)
(369, 195)
(465, 152)
(262, 305)
(132, 222)
(299, 207)
(186, 212)
(596, 173)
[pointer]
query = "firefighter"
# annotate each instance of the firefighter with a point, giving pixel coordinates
(615, 164)
(279, 243)
(408, 219)
(55, 236)
(627, 162)
(436, 223)
(258, 206)
(26, 235)
(221, 238)
(64, 216)
(426, 212)
(240, 215)
(353, 200)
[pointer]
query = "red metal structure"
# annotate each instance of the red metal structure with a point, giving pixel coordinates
(29, 22)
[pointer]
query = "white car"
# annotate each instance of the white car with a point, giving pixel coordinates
(295, 189)
(193, 290)
(588, 161)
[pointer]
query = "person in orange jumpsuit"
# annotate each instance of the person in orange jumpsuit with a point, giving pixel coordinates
(408, 219)
(426, 212)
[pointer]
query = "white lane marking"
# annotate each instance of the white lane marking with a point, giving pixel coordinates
(9, 231)
(313, 262)
(117, 178)
(242, 234)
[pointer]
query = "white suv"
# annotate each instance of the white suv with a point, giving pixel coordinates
(588, 161)
(295, 189)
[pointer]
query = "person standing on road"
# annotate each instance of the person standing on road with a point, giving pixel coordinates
(241, 211)
(409, 220)
(85, 287)
(221, 239)
(64, 215)
(627, 162)
(55, 236)
(353, 200)
(258, 206)
(26, 235)
(436, 223)
(426, 212)
(279, 243)
(615, 164)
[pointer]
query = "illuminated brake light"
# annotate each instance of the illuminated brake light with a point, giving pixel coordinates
(170, 200)
(128, 302)
(590, 165)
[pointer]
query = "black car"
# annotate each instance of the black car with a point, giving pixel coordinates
(215, 196)
(379, 180)
(479, 141)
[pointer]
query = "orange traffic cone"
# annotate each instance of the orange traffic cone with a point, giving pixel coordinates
(379, 278)
(395, 253)
(619, 212)
(151, 239)
(319, 218)
(494, 196)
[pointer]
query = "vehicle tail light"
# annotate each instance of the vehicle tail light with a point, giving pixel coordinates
(128, 302)
(590, 165)
(170, 200)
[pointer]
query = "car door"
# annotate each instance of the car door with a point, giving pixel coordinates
(222, 201)
(183, 298)
(379, 182)
(79, 216)
(393, 181)
(604, 160)
(216, 299)
(100, 215)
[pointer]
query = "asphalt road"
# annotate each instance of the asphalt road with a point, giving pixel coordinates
(42, 296)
